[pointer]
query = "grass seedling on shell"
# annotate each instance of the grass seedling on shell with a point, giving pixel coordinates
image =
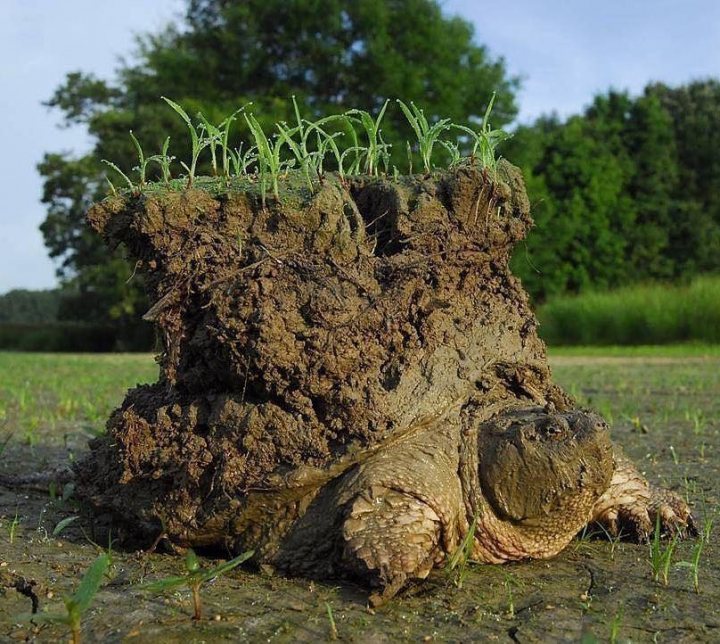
(427, 135)
(454, 152)
(375, 145)
(164, 160)
(486, 140)
(197, 139)
(194, 578)
(78, 603)
(219, 135)
(241, 161)
(141, 167)
(269, 159)
(127, 180)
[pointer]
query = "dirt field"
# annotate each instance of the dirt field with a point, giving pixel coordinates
(664, 409)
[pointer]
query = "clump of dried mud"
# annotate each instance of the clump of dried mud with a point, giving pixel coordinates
(299, 335)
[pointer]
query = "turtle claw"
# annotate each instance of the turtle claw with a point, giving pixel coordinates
(631, 507)
(672, 514)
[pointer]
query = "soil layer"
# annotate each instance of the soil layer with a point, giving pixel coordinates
(303, 334)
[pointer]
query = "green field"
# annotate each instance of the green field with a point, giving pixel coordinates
(664, 407)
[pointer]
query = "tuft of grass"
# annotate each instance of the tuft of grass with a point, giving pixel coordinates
(376, 148)
(485, 140)
(427, 135)
(194, 578)
(331, 619)
(269, 159)
(197, 138)
(457, 563)
(78, 603)
(310, 144)
(694, 563)
(661, 555)
(636, 315)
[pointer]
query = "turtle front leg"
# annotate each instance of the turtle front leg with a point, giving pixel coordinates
(402, 510)
(632, 507)
(390, 537)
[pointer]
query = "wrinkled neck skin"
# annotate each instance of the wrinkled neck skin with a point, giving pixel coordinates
(530, 480)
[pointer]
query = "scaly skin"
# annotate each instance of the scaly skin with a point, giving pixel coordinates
(631, 506)
(532, 478)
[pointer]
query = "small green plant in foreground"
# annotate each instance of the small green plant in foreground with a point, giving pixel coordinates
(510, 583)
(615, 624)
(12, 528)
(694, 563)
(661, 556)
(331, 619)
(78, 603)
(458, 561)
(195, 577)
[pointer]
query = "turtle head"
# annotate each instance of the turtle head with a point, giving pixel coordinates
(540, 475)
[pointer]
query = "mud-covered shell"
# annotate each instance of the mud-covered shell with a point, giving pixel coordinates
(300, 335)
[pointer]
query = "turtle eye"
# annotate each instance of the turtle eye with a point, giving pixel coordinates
(555, 428)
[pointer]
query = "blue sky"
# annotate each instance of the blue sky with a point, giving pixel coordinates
(565, 51)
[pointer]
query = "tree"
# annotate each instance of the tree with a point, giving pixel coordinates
(331, 54)
(627, 191)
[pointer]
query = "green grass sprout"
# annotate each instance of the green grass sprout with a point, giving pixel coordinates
(661, 556)
(78, 603)
(127, 179)
(375, 145)
(270, 162)
(241, 161)
(197, 139)
(331, 619)
(457, 563)
(694, 563)
(427, 135)
(63, 524)
(195, 577)
(142, 165)
(486, 140)
(164, 160)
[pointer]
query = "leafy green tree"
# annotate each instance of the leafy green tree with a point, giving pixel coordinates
(627, 191)
(582, 211)
(694, 112)
(331, 54)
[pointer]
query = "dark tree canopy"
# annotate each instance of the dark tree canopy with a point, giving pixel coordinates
(331, 54)
(627, 191)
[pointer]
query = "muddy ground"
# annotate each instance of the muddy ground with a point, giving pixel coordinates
(664, 412)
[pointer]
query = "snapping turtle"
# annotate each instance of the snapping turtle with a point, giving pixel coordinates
(350, 380)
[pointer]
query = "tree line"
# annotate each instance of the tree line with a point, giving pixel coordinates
(625, 191)
(628, 191)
